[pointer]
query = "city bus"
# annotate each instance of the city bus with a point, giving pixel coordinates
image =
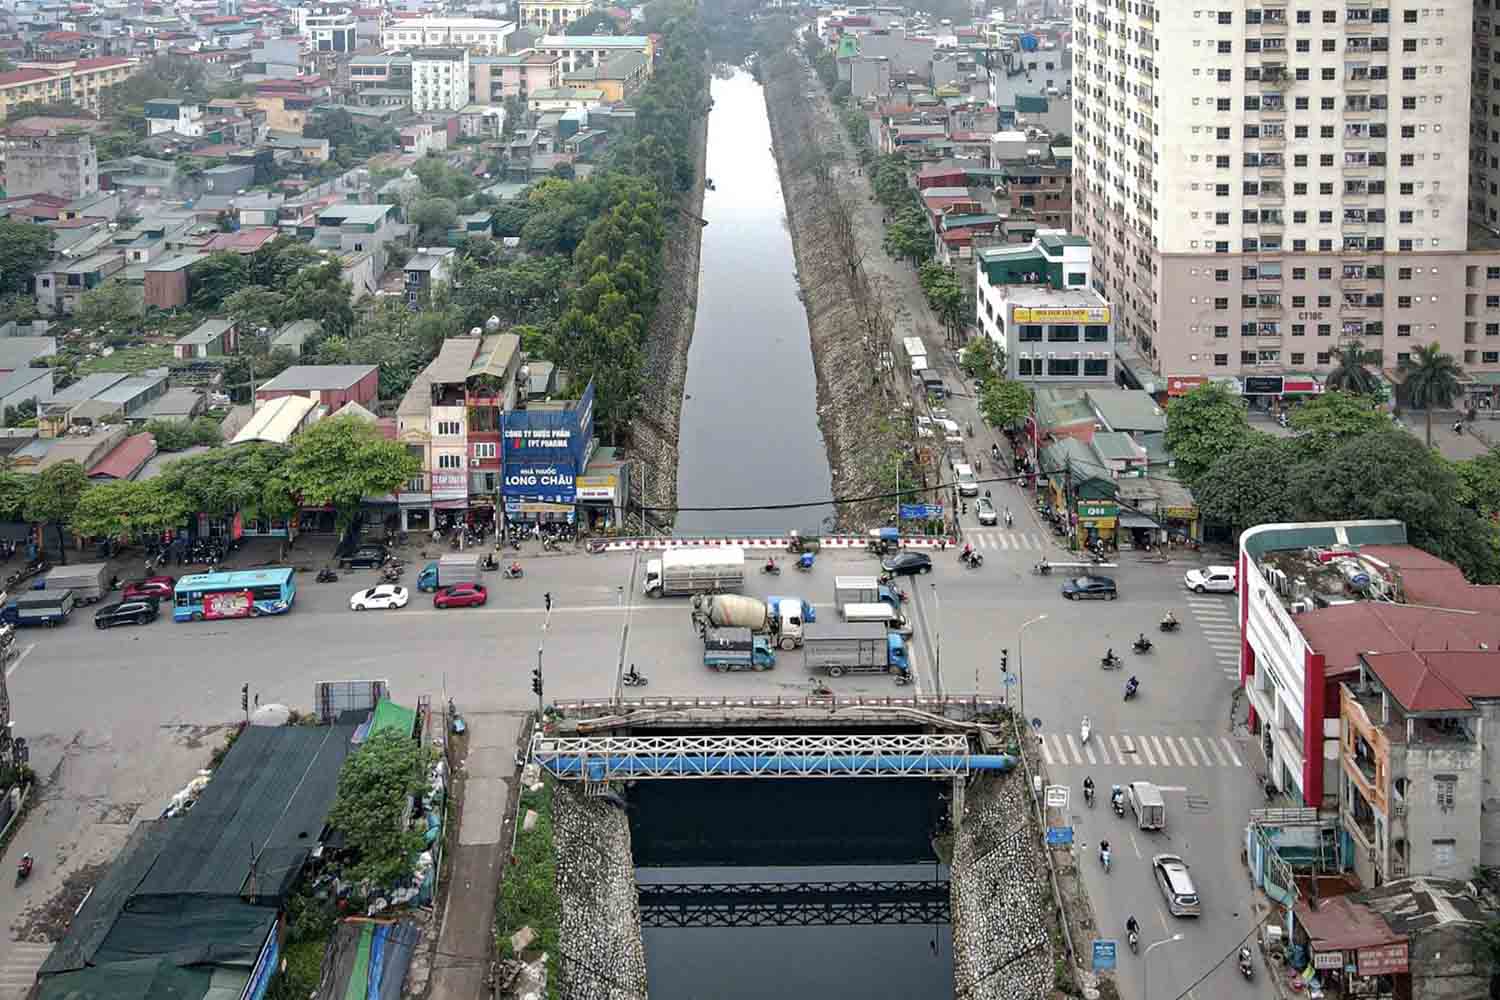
(242, 594)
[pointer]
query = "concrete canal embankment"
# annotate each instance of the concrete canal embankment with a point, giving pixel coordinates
(656, 430)
(848, 319)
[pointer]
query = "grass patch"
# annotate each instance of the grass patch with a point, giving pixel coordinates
(132, 360)
(528, 890)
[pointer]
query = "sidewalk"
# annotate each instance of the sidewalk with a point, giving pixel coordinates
(466, 942)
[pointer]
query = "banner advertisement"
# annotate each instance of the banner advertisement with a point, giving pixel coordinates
(1098, 314)
(228, 604)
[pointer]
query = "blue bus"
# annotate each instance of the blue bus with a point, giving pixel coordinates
(243, 594)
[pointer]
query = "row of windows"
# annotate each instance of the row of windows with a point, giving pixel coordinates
(1063, 366)
(1063, 333)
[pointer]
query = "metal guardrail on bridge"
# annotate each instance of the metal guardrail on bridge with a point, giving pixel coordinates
(966, 706)
(795, 904)
(621, 758)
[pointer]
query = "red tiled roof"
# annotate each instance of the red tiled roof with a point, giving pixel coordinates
(16, 76)
(1440, 680)
(1431, 581)
(1342, 924)
(126, 458)
(244, 241)
(1341, 633)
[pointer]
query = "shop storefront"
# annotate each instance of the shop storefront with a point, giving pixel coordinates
(1181, 385)
(599, 501)
(544, 449)
(1347, 950)
(1095, 520)
(1181, 524)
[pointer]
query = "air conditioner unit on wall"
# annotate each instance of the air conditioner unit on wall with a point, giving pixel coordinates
(474, 462)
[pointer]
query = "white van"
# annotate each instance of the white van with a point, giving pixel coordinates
(879, 612)
(968, 486)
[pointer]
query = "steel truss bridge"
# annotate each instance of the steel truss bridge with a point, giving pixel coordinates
(795, 904)
(632, 758)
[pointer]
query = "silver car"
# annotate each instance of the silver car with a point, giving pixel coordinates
(985, 510)
(1176, 885)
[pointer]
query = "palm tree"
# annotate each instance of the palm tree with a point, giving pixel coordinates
(1349, 372)
(1431, 381)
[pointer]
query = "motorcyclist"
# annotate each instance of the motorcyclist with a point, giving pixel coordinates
(1142, 642)
(995, 452)
(1116, 795)
(1132, 926)
(967, 553)
(770, 565)
(1169, 619)
(1109, 656)
(1088, 788)
(514, 569)
(1009, 519)
(1131, 685)
(1104, 851)
(25, 864)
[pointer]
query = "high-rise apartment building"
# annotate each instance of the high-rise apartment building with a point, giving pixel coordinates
(1266, 180)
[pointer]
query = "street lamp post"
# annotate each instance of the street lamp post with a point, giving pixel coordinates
(1146, 959)
(1021, 660)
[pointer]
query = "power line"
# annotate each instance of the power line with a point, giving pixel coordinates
(1214, 968)
(834, 501)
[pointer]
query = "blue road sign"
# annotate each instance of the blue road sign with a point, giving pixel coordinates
(920, 511)
(1059, 836)
(1010, 679)
(1104, 955)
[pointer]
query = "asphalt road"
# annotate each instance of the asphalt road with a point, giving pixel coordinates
(107, 705)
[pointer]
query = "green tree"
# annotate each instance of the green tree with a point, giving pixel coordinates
(1350, 372)
(244, 479)
(15, 487)
(123, 508)
(1431, 381)
(254, 307)
(24, 247)
(1253, 484)
(53, 498)
(1004, 402)
(216, 278)
(320, 292)
(375, 784)
(433, 217)
(1202, 426)
(341, 460)
(981, 359)
(112, 307)
(909, 238)
(891, 183)
(180, 435)
(1327, 419)
(1479, 483)
(596, 23)
(274, 264)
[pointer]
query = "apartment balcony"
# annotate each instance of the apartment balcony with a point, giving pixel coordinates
(1268, 281)
(1277, 141)
(1274, 196)
(1272, 27)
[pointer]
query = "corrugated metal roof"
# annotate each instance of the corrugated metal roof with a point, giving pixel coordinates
(453, 361)
(126, 459)
(276, 420)
(308, 378)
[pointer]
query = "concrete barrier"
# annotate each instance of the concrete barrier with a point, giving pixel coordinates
(765, 542)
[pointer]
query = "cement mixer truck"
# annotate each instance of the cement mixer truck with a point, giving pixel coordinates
(781, 617)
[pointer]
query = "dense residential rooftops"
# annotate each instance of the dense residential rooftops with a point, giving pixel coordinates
(276, 420)
(309, 378)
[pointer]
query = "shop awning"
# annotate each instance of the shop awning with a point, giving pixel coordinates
(1133, 520)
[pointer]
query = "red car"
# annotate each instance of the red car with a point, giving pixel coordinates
(159, 587)
(460, 595)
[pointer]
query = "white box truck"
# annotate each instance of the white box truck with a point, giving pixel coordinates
(695, 571)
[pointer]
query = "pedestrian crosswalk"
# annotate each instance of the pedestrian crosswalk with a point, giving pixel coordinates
(18, 967)
(1016, 540)
(1218, 621)
(1128, 750)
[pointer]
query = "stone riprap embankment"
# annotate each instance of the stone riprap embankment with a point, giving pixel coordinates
(848, 317)
(599, 933)
(655, 432)
(1002, 942)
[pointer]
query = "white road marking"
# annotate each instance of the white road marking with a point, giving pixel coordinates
(1145, 742)
(1218, 753)
(1062, 751)
(1171, 788)
(1135, 846)
(1203, 752)
(1073, 746)
(1229, 749)
(1188, 752)
(25, 652)
(1120, 754)
(1088, 751)
(1172, 748)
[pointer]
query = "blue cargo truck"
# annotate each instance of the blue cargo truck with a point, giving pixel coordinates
(848, 648)
(726, 649)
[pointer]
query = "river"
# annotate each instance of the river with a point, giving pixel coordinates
(801, 889)
(750, 434)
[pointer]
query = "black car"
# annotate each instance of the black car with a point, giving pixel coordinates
(907, 563)
(1081, 587)
(364, 557)
(136, 611)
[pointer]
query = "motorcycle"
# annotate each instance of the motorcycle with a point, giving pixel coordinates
(1133, 938)
(995, 452)
(391, 574)
(488, 563)
(1169, 624)
(1010, 520)
(1086, 730)
(1043, 568)
(1109, 661)
(1096, 558)
(1131, 687)
(23, 869)
(771, 568)
(1117, 800)
(1247, 966)
(633, 678)
(513, 571)
(1088, 796)
(971, 559)
(549, 544)
(327, 576)
(1141, 645)
(804, 562)
(1104, 859)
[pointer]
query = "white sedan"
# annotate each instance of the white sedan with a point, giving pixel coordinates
(387, 595)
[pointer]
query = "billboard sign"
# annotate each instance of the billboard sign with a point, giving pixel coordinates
(540, 481)
(543, 450)
(1384, 960)
(228, 604)
(1098, 314)
(596, 487)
